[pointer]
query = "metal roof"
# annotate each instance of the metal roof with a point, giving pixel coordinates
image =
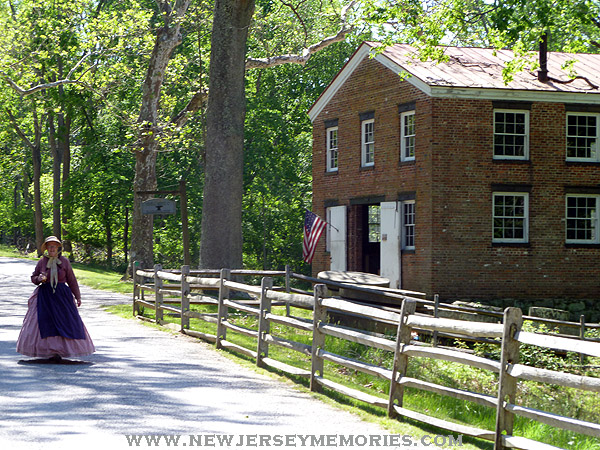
(482, 68)
(477, 73)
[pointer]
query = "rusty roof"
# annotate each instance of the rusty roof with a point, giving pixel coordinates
(469, 67)
(477, 73)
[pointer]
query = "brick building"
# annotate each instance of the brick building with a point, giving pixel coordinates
(446, 180)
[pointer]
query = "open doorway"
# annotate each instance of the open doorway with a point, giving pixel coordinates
(371, 238)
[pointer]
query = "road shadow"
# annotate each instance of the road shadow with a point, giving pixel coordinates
(63, 361)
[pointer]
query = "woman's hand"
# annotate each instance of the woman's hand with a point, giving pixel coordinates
(42, 278)
(78, 302)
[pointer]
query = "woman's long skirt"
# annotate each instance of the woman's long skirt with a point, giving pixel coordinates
(52, 325)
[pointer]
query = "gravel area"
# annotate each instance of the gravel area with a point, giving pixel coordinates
(143, 381)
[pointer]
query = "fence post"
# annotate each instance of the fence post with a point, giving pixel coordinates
(136, 287)
(288, 287)
(185, 298)
(507, 385)
(158, 297)
(400, 359)
(318, 337)
(222, 312)
(581, 336)
(264, 325)
(436, 314)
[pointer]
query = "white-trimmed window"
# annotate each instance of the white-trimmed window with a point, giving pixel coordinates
(583, 137)
(510, 217)
(511, 134)
(582, 218)
(332, 149)
(407, 136)
(374, 223)
(408, 225)
(368, 142)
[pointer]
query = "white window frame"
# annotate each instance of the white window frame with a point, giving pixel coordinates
(374, 227)
(595, 147)
(367, 139)
(525, 217)
(332, 149)
(525, 155)
(408, 224)
(594, 220)
(406, 138)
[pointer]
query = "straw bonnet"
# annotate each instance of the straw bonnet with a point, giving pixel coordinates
(50, 239)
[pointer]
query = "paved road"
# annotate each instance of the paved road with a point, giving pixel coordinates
(145, 381)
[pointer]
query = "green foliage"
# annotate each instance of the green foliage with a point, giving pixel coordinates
(104, 49)
(278, 169)
(518, 25)
(533, 355)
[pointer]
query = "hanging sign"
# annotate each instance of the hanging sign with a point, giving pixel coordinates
(158, 206)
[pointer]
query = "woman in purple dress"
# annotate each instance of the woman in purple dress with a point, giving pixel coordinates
(52, 327)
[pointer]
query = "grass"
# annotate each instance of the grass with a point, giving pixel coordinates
(11, 252)
(98, 278)
(94, 277)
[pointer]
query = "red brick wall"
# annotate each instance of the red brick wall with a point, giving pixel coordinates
(453, 176)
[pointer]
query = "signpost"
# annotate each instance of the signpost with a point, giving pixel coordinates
(160, 206)
(163, 206)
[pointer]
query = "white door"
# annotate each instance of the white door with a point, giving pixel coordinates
(336, 234)
(390, 243)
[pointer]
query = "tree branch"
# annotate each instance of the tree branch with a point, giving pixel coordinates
(195, 103)
(25, 92)
(52, 84)
(18, 129)
(345, 29)
(298, 16)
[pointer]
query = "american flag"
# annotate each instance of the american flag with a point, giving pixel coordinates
(313, 227)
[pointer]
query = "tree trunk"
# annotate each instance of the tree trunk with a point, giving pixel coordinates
(65, 141)
(141, 232)
(37, 197)
(221, 244)
(56, 148)
(168, 37)
(109, 235)
(126, 235)
(36, 156)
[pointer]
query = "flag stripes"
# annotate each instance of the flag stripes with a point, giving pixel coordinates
(313, 227)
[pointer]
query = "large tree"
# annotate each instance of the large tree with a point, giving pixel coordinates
(168, 37)
(222, 207)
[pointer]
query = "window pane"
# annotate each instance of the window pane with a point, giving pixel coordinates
(408, 212)
(510, 217)
(582, 219)
(332, 149)
(368, 146)
(510, 134)
(408, 136)
(374, 222)
(582, 136)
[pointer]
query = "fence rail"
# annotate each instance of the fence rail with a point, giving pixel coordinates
(407, 322)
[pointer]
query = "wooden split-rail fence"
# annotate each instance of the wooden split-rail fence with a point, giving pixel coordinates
(187, 287)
